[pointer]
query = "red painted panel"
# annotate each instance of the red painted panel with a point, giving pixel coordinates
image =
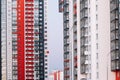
(29, 54)
(55, 76)
(20, 39)
(28, 4)
(117, 75)
(30, 59)
(58, 75)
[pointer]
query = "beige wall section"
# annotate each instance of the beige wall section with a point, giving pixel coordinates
(104, 41)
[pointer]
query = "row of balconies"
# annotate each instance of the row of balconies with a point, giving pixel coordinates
(115, 62)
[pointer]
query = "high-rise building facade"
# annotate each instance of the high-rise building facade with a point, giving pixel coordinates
(86, 25)
(115, 39)
(24, 39)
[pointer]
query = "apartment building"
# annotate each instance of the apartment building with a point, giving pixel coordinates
(24, 40)
(87, 54)
(115, 31)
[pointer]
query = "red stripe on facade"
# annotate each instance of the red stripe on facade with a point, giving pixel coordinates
(117, 75)
(20, 39)
(58, 75)
(55, 76)
(29, 36)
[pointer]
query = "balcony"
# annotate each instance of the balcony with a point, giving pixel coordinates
(75, 72)
(66, 42)
(66, 2)
(66, 60)
(66, 51)
(84, 5)
(66, 10)
(66, 19)
(82, 60)
(114, 18)
(84, 16)
(115, 55)
(75, 37)
(114, 37)
(113, 6)
(114, 48)
(66, 34)
(113, 27)
(75, 47)
(115, 65)
(82, 69)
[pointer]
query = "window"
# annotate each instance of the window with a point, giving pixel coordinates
(96, 26)
(96, 17)
(97, 75)
(97, 36)
(96, 45)
(96, 7)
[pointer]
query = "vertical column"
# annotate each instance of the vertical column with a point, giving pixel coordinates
(115, 40)
(9, 40)
(0, 44)
(46, 52)
(20, 39)
(41, 40)
(3, 39)
(29, 38)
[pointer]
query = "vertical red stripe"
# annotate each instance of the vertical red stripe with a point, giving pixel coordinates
(58, 75)
(55, 76)
(20, 39)
(29, 30)
(117, 75)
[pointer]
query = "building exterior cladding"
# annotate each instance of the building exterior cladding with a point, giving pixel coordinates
(87, 54)
(115, 39)
(56, 75)
(24, 40)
